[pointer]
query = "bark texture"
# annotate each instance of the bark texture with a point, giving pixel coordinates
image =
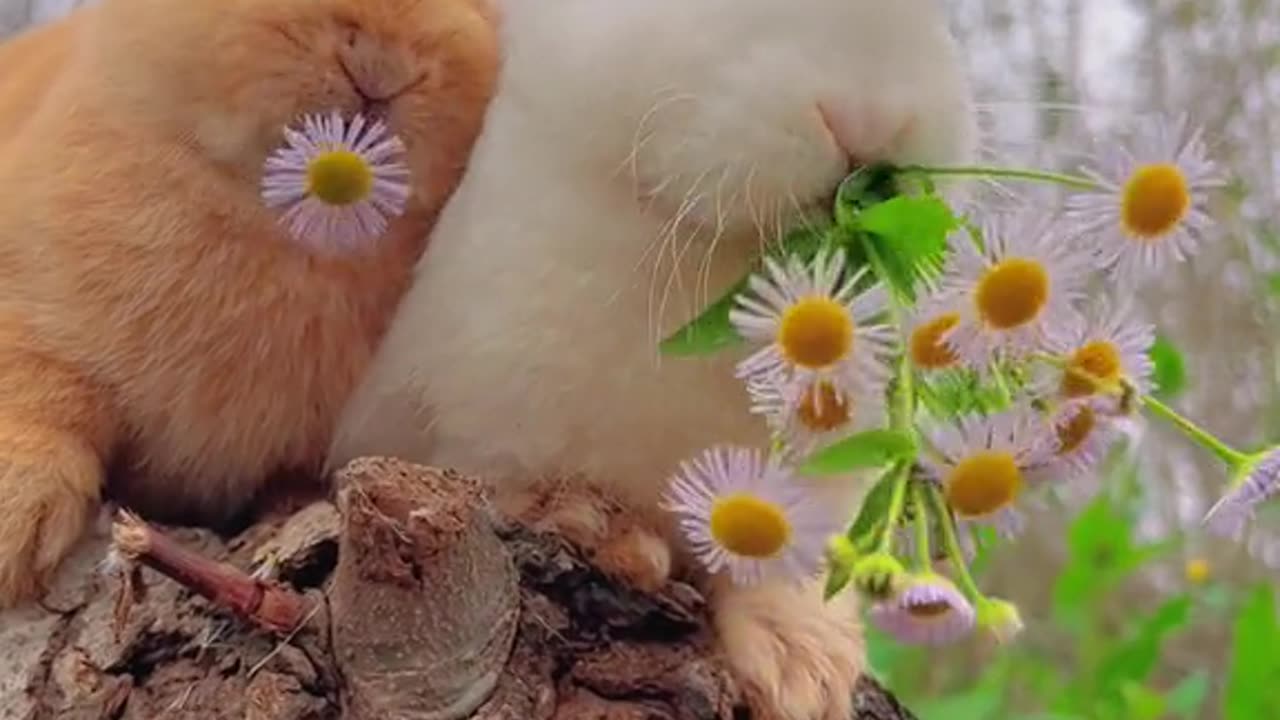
(406, 599)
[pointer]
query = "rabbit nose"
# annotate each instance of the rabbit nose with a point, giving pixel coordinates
(864, 133)
(378, 73)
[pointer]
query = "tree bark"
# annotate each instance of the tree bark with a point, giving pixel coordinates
(407, 599)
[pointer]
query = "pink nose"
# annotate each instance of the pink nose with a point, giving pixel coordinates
(864, 133)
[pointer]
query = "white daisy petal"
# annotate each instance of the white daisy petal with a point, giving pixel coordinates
(1109, 343)
(320, 225)
(1011, 293)
(817, 327)
(982, 463)
(1084, 433)
(1232, 514)
(1149, 209)
(747, 514)
(928, 610)
(808, 417)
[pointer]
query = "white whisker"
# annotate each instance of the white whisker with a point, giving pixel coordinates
(637, 142)
(703, 282)
(689, 202)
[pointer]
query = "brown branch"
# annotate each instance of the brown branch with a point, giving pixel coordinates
(265, 603)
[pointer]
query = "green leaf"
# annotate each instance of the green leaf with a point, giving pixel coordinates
(983, 702)
(1255, 667)
(1133, 660)
(1142, 703)
(1094, 538)
(1170, 372)
(1188, 696)
(923, 219)
(863, 188)
(871, 515)
(909, 236)
(711, 331)
(948, 394)
(1273, 284)
(870, 449)
(837, 579)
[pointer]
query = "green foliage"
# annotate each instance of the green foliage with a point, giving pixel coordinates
(1102, 554)
(869, 449)
(953, 393)
(907, 233)
(1169, 372)
(1093, 659)
(870, 517)
(711, 331)
(1255, 663)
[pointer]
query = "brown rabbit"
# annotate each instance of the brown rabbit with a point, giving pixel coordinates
(161, 336)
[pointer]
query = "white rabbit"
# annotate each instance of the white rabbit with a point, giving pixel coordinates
(636, 157)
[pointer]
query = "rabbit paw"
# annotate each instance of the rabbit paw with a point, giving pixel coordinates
(619, 544)
(46, 502)
(794, 656)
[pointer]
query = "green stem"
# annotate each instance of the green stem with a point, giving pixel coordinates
(1076, 181)
(1227, 454)
(897, 502)
(952, 543)
(1230, 456)
(905, 395)
(923, 555)
(905, 389)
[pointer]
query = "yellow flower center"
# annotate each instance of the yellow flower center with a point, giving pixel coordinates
(339, 177)
(1197, 571)
(1095, 361)
(983, 483)
(816, 332)
(928, 351)
(748, 526)
(1012, 293)
(1073, 433)
(824, 408)
(1155, 199)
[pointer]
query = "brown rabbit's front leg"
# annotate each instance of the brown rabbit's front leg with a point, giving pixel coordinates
(54, 429)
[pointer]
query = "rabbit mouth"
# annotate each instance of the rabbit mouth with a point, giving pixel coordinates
(375, 101)
(374, 109)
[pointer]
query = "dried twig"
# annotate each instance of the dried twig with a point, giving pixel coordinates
(267, 604)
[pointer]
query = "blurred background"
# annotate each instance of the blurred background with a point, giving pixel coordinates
(1131, 613)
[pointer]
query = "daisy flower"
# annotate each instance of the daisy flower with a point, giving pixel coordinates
(927, 610)
(338, 181)
(747, 514)
(821, 333)
(1011, 293)
(806, 417)
(981, 462)
(925, 343)
(1082, 436)
(1230, 516)
(1149, 208)
(1109, 345)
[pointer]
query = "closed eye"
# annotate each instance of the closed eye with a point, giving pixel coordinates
(284, 32)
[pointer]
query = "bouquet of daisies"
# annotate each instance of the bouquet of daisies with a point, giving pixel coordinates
(958, 360)
(964, 363)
